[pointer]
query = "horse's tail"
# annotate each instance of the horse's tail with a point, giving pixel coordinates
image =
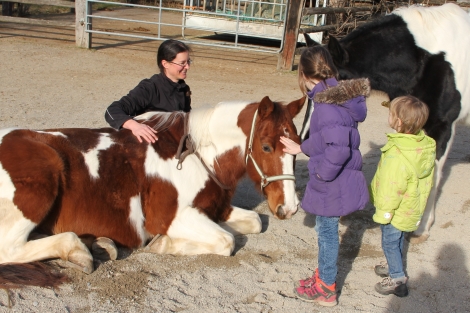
(18, 275)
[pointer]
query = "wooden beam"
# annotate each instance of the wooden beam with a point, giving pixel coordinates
(24, 20)
(58, 3)
(291, 32)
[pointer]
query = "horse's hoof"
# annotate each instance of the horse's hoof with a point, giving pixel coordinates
(158, 244)
(104, 249)
(415, 239)
(80, 260)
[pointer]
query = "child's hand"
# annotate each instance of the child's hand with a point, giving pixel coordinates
(290, 146)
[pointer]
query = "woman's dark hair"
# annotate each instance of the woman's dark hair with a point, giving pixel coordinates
(168, 51)
(315, 63)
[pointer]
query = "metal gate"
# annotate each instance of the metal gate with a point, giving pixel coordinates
(239, 24)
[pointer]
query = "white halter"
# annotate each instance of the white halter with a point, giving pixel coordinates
(265, 180)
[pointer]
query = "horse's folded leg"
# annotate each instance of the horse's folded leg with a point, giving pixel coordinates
(158, 244)
(80, 260)
(104, 249)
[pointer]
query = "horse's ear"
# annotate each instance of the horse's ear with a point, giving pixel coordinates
(338, 53)
(309, 41)
(265, 107)
(295, 106)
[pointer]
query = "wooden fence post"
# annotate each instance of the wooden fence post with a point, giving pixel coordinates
(293, 16)
(82, 38)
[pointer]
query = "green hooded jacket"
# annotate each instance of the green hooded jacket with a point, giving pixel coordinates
(403, 181)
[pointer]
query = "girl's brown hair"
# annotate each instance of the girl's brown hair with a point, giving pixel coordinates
(315, 63)
(412, 112)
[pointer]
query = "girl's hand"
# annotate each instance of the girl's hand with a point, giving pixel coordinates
(290, 146)
(141, 131)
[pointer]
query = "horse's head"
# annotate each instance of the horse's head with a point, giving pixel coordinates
(339, 55)
(268, 166)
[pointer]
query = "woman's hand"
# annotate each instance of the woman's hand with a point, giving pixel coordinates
(291, 147)
(141, 131)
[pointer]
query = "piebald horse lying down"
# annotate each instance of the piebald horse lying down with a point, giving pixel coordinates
(79, 187)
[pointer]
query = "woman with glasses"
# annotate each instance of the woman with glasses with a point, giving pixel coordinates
(166, 91)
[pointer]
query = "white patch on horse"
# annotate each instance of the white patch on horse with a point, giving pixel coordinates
(14, 231)
(91, 156)
(7, 189)
(445, 29)
(194, 233)
(242, 222)
(213, 127)
(136, 217)
(52, 133)
(192, 175)
(291, 201)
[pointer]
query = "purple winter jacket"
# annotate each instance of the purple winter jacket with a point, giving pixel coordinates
(337, 185)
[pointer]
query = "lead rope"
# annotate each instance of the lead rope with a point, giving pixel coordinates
(187, 142)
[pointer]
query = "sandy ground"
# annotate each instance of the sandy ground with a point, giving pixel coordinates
(46, 82)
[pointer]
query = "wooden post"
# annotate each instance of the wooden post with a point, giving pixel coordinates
(82, 38)
(293, 16)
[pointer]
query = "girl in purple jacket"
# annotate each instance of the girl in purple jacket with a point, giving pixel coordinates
(337, 185)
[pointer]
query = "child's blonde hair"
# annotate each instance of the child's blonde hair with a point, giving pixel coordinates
(315, 63)
(412, 112)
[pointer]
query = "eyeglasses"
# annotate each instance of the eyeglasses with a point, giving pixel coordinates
(183, 64)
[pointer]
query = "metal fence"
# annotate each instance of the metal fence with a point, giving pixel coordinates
(237, 24)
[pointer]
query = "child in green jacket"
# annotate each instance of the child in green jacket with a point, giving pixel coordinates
(401, 186)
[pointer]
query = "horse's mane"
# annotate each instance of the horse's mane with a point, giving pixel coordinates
(198, 127)
(166, 119)
(199, 120)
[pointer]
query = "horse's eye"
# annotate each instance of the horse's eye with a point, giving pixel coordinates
(266, 147)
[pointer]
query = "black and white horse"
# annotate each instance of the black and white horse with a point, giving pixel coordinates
(422, 51)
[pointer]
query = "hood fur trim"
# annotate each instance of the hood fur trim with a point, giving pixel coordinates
(344, 91)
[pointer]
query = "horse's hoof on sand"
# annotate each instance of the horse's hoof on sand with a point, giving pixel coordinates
(81, 261)
(104, 249)
(415, 239)
(158, 244)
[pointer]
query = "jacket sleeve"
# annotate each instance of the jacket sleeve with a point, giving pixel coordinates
(388, 187)
(134, 103)
(337, 152)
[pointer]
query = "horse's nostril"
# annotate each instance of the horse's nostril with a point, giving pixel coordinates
(280, 213)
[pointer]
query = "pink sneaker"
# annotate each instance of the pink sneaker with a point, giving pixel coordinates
(318, 292)
(308, 281)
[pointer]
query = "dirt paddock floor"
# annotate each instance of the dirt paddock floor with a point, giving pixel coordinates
(46, 82)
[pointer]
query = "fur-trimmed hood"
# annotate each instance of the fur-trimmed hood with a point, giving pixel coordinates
(344, 91)
(349, 94)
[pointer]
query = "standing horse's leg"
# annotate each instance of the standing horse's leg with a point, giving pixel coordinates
(422, 233)
(191, 233)
(242, 222)
(14, 247)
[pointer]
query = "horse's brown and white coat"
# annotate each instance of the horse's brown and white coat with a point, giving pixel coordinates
(72, 184)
